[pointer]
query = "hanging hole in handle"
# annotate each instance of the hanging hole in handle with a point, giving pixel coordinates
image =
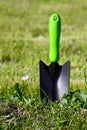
(54, 18)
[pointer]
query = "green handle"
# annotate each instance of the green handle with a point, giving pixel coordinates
(54, 34)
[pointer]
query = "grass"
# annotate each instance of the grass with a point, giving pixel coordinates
(24, 40)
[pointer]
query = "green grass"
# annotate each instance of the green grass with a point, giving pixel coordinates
(24, 40)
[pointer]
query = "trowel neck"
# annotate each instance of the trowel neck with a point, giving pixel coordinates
(55, 70)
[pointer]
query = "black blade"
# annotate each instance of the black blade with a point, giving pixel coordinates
(62, 83)
(54, 80)
(48, 77)
(46, 84)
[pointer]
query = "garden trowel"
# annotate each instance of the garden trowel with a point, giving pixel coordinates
(54, 78)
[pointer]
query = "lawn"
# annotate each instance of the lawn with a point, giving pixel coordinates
(24, 41)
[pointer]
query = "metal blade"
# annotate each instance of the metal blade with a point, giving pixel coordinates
(46, 84)
(54, 80)
(62, 84)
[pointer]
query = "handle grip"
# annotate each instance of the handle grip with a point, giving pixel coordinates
(54, 34)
